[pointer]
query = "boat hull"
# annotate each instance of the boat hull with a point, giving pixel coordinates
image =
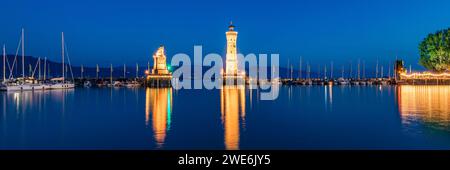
(62, 86)
(24, 87)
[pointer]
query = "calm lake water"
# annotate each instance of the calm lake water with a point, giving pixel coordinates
(315, 117)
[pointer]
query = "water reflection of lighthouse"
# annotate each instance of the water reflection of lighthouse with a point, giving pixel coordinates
(232, 102)
(158, 105)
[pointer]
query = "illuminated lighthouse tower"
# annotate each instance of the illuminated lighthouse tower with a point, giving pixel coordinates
(231, 64)
(231, 57)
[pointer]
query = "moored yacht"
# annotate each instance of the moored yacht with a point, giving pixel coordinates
(133, 84)
(355, 82)
(308, 82)
(16, 86)
(117, 84)
(342, 81)
(61, 83)
(23, 83)
(87, 84)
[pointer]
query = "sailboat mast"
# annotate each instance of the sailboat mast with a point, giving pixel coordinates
(287, 69)
(331, 70)
(300, 69)
(359, 61)
(23, 55)
(318, 71)
(364, 70)
(124, 71)
(137, 70)
(351, 70)
(97, 72)
(62, 55)
(292, 70)
(4, 63)
(308, 70)
(376, 70)
(39, 66)
(45, 68)
(110, 75)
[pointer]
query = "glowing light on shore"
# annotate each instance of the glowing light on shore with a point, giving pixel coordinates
(425, 75)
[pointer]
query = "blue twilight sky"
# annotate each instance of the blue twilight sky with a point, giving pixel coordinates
(130, 31)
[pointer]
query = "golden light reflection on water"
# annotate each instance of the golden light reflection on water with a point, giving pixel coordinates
(232, 102)
(425, 104)
(158, 104)
(26, 101)
(328, 91)
(21, 107)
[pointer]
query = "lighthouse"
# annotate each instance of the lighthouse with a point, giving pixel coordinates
(232, 74)
(231, 56)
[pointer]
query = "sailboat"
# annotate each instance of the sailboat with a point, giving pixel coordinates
(61, 83)
(134, 83)
(308, 81)
(364, 81)
(23, 83)
(87, 84)
(341, 80)
(110, 84)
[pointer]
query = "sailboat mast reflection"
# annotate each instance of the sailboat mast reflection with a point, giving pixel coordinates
(158, 104)
(232, 103)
